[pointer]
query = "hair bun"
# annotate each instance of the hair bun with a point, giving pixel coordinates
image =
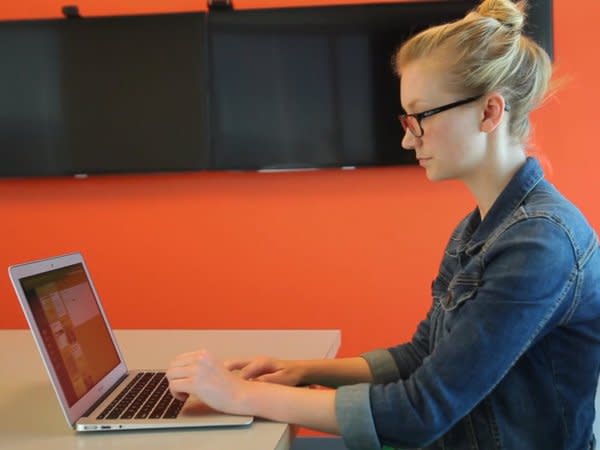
(509, 14)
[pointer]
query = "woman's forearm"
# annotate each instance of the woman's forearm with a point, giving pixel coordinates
(334, 372)
(311, 408)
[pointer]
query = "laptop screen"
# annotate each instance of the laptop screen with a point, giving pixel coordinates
(73, 330)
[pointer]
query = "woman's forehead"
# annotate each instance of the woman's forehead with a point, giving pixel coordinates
(421, 80)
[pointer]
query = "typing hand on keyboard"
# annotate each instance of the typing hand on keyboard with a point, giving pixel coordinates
(201, 374)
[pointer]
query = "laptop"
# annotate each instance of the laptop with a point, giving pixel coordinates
(95, 389)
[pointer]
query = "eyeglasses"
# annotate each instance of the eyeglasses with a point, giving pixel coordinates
(412, 122)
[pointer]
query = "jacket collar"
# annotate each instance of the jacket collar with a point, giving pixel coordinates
(509, 200)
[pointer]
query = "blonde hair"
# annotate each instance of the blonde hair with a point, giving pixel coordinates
(487, 52)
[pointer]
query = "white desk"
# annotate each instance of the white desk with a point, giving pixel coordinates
(31, 418)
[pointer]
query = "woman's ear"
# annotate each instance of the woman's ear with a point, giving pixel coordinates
(493, 112)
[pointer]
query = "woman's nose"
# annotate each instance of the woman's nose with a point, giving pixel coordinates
(408, 141)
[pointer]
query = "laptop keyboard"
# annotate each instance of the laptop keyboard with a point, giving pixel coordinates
(146, 396)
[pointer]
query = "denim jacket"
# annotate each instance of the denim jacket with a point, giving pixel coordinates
(508, 356)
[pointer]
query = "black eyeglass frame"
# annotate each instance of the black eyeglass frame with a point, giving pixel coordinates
(430, 112)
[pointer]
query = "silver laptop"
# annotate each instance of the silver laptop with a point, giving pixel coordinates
(94, 387)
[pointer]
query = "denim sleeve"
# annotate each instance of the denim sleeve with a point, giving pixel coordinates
(514, 300)
(401, 361)
(408, 357)
(353, 404)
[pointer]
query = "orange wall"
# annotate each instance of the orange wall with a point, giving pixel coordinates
(354, 250)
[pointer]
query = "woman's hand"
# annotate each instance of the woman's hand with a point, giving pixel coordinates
(202, 375)
(267, 369)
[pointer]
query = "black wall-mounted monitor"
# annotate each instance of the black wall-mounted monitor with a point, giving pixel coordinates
(315, 87)
(103, 95)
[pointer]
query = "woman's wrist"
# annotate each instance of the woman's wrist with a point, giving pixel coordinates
(300, 371)
(310, 372)
(313, 408)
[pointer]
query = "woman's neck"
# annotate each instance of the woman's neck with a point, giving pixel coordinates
(491, 177)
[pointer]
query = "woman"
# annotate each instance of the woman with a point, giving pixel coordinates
(508, 355)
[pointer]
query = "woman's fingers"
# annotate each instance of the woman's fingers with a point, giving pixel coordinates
(185, 371)
(256, 368)
(205, 377)
(180, 388)
(178, 372)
